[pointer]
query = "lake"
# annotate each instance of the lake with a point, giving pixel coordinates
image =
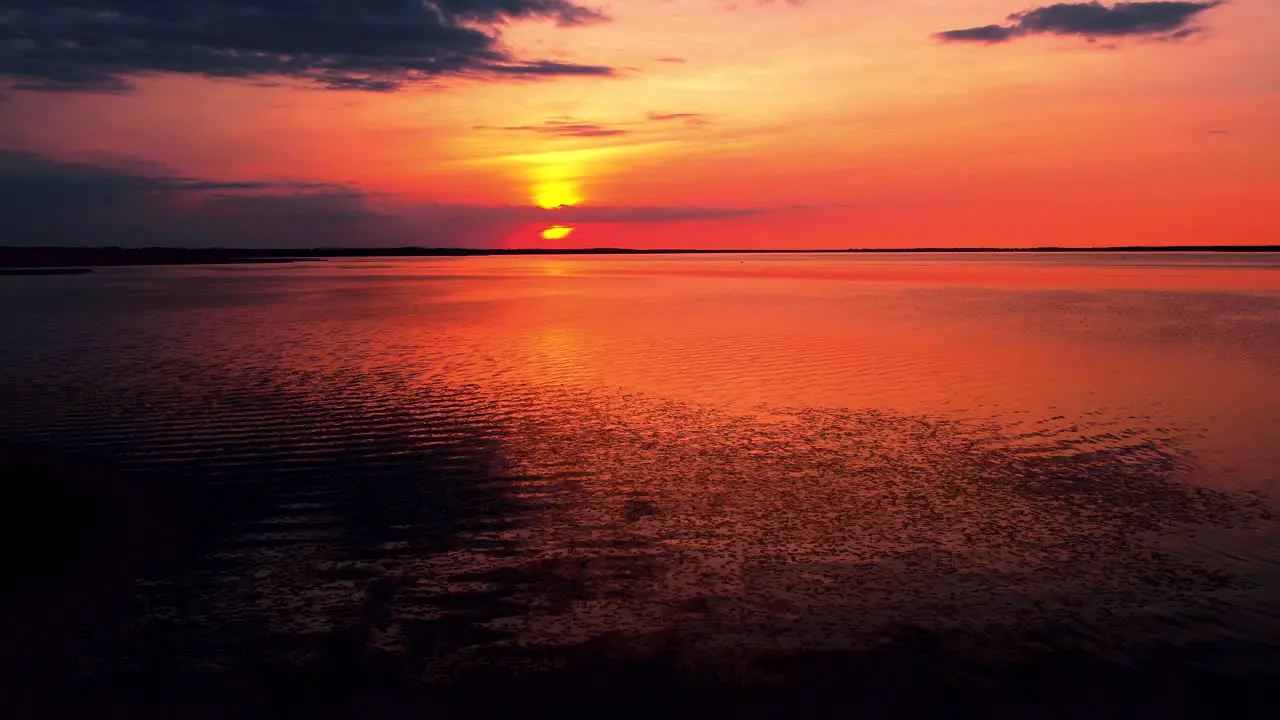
(895, 475)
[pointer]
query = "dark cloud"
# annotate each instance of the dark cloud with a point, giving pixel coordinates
(984, 34)
(1169, 21)
(370, 45)
(26, 176)
(1183, 33)
(547, 67)
(52, 202)
(130, 204)
(562, 128)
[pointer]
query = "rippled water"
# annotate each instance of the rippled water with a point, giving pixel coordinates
(721, 461)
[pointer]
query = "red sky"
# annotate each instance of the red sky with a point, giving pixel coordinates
(663, 123)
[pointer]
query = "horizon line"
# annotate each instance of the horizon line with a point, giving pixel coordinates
(32, 258)
(5, 249)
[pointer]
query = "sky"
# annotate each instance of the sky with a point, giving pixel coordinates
(639, 123)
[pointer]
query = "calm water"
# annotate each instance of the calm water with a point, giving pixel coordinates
(720, 461)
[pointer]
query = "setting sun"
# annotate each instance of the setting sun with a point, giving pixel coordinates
(557, 193)
(557, 232)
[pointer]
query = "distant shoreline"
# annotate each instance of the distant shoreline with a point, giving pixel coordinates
(48, 258)
(27, 270)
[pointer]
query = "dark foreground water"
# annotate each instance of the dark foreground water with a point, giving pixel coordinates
(907, 484)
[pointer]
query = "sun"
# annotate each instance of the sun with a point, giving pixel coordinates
(557, 232)
(556, 193)
(553, 187)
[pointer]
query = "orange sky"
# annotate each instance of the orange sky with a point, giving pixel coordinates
(818, 124)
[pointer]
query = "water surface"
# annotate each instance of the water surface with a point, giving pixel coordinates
(726, 465)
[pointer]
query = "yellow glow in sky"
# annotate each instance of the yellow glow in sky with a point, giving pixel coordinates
(556, 193)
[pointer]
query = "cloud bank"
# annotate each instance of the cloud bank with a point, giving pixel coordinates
(50, 202)
(377, 45)
(1160, 20)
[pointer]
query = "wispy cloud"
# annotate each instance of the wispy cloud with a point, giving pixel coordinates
(562, 128)
(687, 117)
(570, 127)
